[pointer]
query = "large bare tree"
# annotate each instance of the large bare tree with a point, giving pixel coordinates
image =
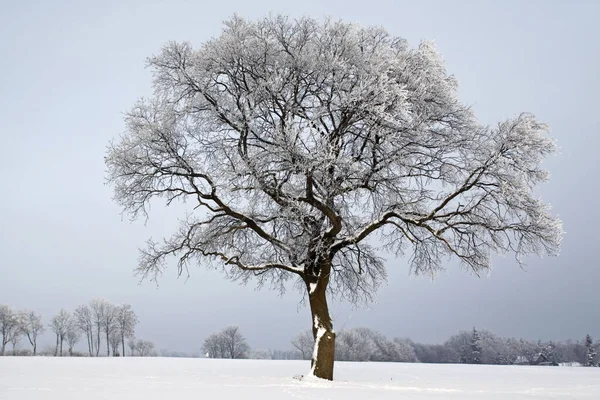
(307, 146)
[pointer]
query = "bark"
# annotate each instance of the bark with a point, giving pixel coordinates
(61, 343)
(123, 343)
(324, 351)
(34, 348)
(3, 348)
(56, 348)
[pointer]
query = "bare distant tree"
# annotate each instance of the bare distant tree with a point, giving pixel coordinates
(212, 346)
(229, 343)
(84, 320)
(9, 326)
(126, 321)
(16, 339)
(298, 141)
(234, 342)
(354, 345)
(60, 324)
(305, 343)
(109, 323)
(144, 348)
(131, 345)
(115, 342)
(73, 335)
(98, 309)
(32, 326)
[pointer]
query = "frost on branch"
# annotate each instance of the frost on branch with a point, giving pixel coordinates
(298, 140)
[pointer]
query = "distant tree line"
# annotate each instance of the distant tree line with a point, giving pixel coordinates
(101, 324)
(106, 325)
(465, 347)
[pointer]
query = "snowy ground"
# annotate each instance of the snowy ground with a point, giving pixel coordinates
(26, 378)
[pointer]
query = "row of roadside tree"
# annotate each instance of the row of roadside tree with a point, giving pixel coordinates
(100, 324)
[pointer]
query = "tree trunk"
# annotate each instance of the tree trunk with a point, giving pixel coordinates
(98, 344)
(3, 348)
(123, 343)
(34, 348)
(107, 344)
(61, 343)
(324, 351)
(89, 341)
(56, 348)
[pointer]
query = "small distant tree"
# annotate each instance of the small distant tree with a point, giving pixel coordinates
(229, 343)
(131, 345)
(84, 320)
(298, 141)
(475, 347)
(304, 342)
(60, 325)
(591, 351)
(72, 336)
(353, 345)
(9, 326)
(126, 320)
(212, 346)
(234, 343)
(144, 348)
(115, 342)
(16, 339)
(98, 310)
(109, 323)
(32, 327)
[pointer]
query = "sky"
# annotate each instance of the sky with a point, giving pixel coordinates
(70, 69)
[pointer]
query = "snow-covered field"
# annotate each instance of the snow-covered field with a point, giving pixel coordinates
(171, 378)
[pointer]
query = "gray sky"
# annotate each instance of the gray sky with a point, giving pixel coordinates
(69, 69)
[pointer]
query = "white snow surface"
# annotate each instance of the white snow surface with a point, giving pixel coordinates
(27, 378)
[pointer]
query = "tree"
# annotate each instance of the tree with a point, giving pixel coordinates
(144, 348)
(9, 326)
(475, 347)
(84, 320)
(591, 351)
(109, 323)
(304, 342)
(126, 320)
(99, 309)
(212, 346)
(354, 345)
(131, 345)
(32, 326)
(229, 343)
(299, 141)
(115, 342)
(72, 336)
(60, 325)
(16, 338)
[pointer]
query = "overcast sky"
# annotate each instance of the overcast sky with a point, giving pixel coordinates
(68, 70)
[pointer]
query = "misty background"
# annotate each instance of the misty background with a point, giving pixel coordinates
(69, 69)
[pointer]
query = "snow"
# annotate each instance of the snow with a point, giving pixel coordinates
(29, 378)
